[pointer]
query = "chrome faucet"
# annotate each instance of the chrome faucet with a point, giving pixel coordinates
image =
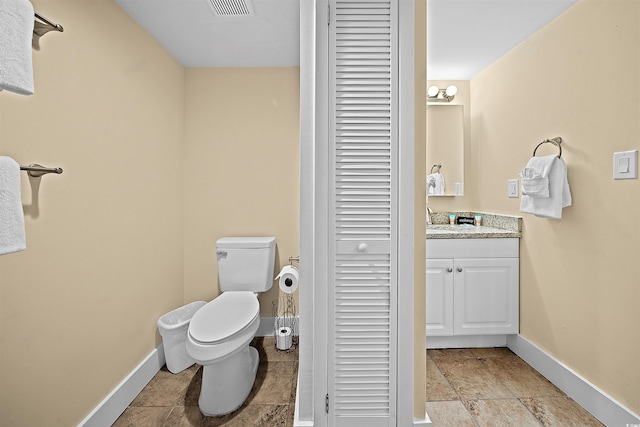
(429, 213)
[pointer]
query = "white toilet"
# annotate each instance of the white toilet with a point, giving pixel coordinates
(220, 332)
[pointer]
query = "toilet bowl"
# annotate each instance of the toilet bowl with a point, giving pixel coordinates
(220, 332)
(218, 339)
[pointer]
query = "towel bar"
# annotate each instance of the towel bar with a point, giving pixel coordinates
(48, 22)
(555, 141)
(36, 171)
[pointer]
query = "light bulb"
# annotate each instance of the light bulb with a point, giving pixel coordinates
(432, 91)
(451, 90)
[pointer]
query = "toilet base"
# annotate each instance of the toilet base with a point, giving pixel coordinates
(227, 383)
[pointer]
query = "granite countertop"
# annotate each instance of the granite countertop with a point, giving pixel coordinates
(493, 226)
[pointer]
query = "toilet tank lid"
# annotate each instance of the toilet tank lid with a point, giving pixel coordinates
(245, 242)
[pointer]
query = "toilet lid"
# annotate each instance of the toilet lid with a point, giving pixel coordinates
(225, 316)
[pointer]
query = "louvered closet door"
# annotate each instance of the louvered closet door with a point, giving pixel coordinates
(363, 148)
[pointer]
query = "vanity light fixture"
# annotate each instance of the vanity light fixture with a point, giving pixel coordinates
(434, 94)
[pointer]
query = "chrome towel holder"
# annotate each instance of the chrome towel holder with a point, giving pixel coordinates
(49, 23)
(555, 141)
(35, 170)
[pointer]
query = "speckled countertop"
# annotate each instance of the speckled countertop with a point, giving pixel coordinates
(493, 226)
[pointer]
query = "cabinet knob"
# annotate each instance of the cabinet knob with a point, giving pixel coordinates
(362, 247)
(449, 269)
(459, 269)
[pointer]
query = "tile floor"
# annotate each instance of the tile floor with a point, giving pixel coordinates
(465, 387)
(494, 387)
(172, 400)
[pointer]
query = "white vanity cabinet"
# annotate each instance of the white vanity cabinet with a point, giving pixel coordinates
(472, 288)
(439, 297)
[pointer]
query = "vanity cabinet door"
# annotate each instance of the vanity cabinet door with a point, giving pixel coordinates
(439, 297)
(486, 296)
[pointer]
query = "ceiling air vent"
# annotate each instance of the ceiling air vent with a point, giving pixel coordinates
(231, 7)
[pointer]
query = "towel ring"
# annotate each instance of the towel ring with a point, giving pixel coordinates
(555, 141)
(437, 165)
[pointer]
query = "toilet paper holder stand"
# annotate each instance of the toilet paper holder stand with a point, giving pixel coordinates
(285, 318)
(284, 314)
(285, 321)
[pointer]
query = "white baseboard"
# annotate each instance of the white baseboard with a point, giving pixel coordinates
(296, 413)
(266, 327)
(119, 399)
(467, 341)
(598, 403)
(422, 422)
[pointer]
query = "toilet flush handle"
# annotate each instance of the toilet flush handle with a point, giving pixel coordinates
(221, 254)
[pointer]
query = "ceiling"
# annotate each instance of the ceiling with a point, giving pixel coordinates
(464, 35)
(197, 37)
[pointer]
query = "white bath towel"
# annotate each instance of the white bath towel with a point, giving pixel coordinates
(12, 236)
(16, 32)
(559, 194)
(535, 176)
(435, 184)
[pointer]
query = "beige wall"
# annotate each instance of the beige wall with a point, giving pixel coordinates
(579, 276)
(127, 233)
(241, 168)
(104, 239)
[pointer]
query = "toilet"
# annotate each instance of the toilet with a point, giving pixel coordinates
(220, 332)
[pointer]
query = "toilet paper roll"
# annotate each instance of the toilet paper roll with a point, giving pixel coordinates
(284, 338)
(288, 279)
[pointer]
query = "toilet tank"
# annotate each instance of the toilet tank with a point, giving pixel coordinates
(246, 263)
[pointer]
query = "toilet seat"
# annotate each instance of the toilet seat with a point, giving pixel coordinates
(224, 317)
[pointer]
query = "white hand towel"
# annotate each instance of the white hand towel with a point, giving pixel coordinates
(559, 194)
(435, 184)
(439, 184)
(537, 186)
(12, 236)
(16, 32)
(535, 176)
(431, 184)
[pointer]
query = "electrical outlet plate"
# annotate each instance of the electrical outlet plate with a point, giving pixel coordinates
(512, 188)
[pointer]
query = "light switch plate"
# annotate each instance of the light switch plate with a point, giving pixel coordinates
(625, 165)
(512, 189)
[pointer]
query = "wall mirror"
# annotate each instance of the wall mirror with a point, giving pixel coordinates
(445, 147)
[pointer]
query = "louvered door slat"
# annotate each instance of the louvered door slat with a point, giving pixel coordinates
(362, 331)
(362, 213)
